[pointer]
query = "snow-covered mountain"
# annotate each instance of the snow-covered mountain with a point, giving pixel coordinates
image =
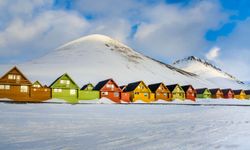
(97, 57)
(206, 71)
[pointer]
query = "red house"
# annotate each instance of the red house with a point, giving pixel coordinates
(190, 92)
(109, 89)
(228, 93)
(125, 96)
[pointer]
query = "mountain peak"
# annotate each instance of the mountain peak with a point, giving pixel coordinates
(93, 38)
(197, 65)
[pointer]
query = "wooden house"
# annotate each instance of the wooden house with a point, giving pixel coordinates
(176, 91)
(87, 93)
(247, 94)
(65, 88)
(139, 91)
(39, 92)
(125, 96)
(228, 93)
(190, 92)
(203, 93)
(160, 91)
(15, 85)
(109, 89)
(216, 93)
(239, 94)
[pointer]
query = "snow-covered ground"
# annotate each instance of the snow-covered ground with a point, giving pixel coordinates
(103, 126)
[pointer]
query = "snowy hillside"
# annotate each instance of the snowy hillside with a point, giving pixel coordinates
(206, 70)
(97, 57)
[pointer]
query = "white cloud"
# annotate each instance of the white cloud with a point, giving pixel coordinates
(45, 32)
(175, 31)
(213, 53)
(236, 51)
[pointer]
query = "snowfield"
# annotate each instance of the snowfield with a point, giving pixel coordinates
(128, 127)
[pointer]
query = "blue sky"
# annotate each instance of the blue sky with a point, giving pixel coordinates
(167, 30)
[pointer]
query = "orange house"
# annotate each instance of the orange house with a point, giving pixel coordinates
(39, 92)
(125, 96)
(190, 92)
(14, 85)
(216, 93)
(109, 89)
(160, 91)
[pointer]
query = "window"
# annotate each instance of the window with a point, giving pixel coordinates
(104, 93)
(136, 93)
(145, 94)
(18, 77)
(116, 94)
(45, 90)
(72, 92)
(7, 87)
(34, 89)
(37, 85)
(165, 94)
(10, 76)
(24, 89)
(14, 77)
(1, 87)
(67, 82)
(57, 90)
(110, 86)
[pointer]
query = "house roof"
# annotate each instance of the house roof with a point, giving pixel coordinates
(154, 87)
(247, 92)
(171, 87)
(65, 74)
(101, 84)
(225, 91)
(237, 92)
(201, 91)
(15, 68)
(186, 87)
(122, 87)
(37, 82)
(214, 91)
(131, 86)
(85, 86)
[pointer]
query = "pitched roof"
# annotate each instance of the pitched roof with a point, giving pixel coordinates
(214, 91)
(122, 87)
(237, 92)
(37, 82)
(131, 86)
(101, 84)
(225, 91)
(65, 74)
(201, 91)
(15, 68)
(154, 87)
(171, 87)
(85, 86)
(186, 87)
(247, 92)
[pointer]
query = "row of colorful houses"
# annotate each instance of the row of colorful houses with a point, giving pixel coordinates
(16, 86)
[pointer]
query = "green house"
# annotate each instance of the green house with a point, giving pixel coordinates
(65, 88)
(87, 93)
(203, 93)
(176, 91)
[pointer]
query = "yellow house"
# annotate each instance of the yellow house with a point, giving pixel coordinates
(239, 94)
(139, 91)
